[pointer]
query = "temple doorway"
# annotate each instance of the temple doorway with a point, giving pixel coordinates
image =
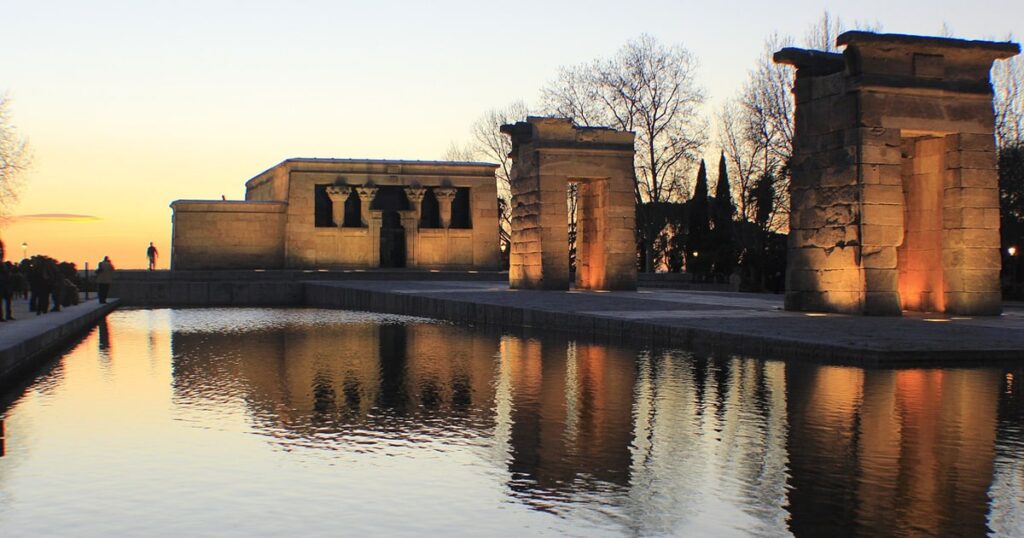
(391, 201)
(919, 257)
(392, 240)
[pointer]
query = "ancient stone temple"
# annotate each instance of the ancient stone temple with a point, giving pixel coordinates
(346, 213)
(547, 155)
(895, 200)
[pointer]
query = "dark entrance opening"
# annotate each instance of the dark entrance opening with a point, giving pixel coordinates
(430, 212)
(322, 217)
(353, 211)
(390, 200)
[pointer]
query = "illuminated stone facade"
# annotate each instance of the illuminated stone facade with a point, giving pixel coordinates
(547, 155)
(346, 213)
(895, 200)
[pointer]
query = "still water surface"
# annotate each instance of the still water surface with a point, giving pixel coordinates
(311, 422)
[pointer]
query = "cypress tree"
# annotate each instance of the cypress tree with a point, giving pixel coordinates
(698, 255)
(725, 257)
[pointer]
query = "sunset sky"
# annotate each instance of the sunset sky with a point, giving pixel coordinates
(131, 105)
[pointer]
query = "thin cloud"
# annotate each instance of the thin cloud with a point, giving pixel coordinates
(55, 217)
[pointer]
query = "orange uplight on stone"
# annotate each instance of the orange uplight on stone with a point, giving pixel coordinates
(894, 191)
(920, 256)
(547, 154)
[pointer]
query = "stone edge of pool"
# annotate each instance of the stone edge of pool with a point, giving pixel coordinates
(902, 348)
(26, 344)
(761, 329)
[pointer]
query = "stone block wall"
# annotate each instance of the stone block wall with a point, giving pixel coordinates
(547, 155)
(309, 246)
(227, 235)
(894, 183)
(825, 272)
(276, 226)
(271, 185)
(345, 247)
(444, 249)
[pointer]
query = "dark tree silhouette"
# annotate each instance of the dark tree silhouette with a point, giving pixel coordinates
(698, 232)
(722, 219)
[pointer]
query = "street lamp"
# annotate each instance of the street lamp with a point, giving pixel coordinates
(24, 250)
(1012, 251)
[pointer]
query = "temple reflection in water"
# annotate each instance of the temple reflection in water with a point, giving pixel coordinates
(662, 438)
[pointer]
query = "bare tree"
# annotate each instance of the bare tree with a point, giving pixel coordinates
(459, 153)
(743, 157)
(650, 89)
(14, 156)
(1008, 83)
(486, 143)
(823, 33)
(647, 88)
(755, 130)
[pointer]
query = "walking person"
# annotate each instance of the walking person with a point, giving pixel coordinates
(104, 278)
(39, 298)
(152, 254)
(6, 290)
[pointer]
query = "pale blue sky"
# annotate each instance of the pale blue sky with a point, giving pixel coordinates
(130, 105)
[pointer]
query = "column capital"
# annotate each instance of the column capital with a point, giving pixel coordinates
(415, 194)
(445, 193)
(445, 196)
(338, 193)
(366, 194)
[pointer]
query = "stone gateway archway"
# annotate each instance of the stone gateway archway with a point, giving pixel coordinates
(548, 154)
(895, 198)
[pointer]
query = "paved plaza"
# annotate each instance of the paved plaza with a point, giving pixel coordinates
(741, 322)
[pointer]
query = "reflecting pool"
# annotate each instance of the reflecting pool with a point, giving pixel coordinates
(254, 422)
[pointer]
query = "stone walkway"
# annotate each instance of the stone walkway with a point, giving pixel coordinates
(29, 340)
(740, 322)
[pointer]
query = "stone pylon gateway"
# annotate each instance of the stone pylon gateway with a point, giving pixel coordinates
(548, 154)
(895, 199)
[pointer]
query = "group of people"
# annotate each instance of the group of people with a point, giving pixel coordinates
(50, 285)
(43, 280)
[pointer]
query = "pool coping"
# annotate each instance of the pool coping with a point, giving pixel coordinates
(764, 332)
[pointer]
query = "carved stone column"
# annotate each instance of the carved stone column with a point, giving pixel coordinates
(415, 196)
(445, 196)
(366, 195)
(374, 218)
(338, 195)
(410, 222)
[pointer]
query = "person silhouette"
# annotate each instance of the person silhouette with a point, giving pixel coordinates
(104, 278)
(152, 254)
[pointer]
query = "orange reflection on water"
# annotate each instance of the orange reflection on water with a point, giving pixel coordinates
(663, 442)
(919, 446)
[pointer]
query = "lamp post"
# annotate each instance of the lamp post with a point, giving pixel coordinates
(24, 250)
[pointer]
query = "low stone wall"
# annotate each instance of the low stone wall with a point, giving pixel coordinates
(604, 329)
(284, 287)
(208, 293)
(253, 288)
(680, 281)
